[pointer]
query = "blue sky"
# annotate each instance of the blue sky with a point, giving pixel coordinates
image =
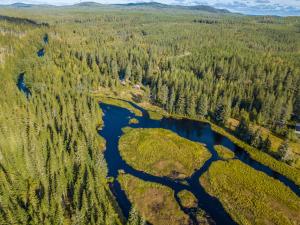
(274, 7)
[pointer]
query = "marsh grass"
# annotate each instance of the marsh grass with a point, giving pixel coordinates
(290, 172)
(120, 103)
(224, 152)
(249, 196)
(133, 121)
(187, 199)
(156, 203)
(161, 152)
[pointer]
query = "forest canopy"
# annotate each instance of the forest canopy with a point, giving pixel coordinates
(197, 64)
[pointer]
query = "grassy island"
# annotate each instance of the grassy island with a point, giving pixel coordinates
(224, 152)
(162, 153)
(154, 202)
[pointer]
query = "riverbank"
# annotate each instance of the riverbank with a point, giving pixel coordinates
(249, 196)
(123, 94)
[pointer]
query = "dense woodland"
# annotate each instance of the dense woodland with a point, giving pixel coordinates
(196, 64)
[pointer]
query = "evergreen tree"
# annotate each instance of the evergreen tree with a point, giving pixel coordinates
(202, 106)
(135, 218)
(220, 115)
(162, 95)
(180, 104)
(171, 100)
(267, 145)
(191, 106)
(243, 129)
(128, 72)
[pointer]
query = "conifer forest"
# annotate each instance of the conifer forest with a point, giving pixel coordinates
(148, 114)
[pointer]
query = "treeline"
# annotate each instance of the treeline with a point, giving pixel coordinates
(206, 21)
(18, 20)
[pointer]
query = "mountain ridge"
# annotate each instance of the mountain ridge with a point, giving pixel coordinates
(153, 5)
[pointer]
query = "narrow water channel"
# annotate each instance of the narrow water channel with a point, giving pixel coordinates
(116, 118)
(22, 86)
(21, 77)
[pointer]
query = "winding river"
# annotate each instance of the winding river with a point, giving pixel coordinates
(115, 118)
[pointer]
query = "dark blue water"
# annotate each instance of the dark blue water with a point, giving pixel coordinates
(46, 39)
(41, 52)
(116, 118)
(22, 86)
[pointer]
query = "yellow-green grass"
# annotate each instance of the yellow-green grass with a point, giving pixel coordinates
(224, 152)
(127, 92)
(187, 199)
(155, 112)
(250, 196)
(133, 121)
(290, 172)
(161, 152)
(154, 202)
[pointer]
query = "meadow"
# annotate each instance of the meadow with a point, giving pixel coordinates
(249, 196)
(161, 152)
(154, 202)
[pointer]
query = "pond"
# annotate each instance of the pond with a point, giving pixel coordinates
(116, 118)
(22, 86)
(41, 52)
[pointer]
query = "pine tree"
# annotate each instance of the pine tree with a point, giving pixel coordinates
(202, 106)
(162, 95)
(267, 145)
(191, 106)
(135, 218)
(243, 129)
(180, 104)
(220, 115)
(171, 100)
(128, 72)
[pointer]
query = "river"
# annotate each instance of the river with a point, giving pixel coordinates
(116, 118)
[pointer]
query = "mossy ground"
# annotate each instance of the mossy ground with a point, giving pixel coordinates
(156, 203)
(161, 152)
(249, 196)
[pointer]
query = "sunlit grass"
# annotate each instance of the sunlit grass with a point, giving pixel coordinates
(249, 196)
(156, 203)
(162, 152)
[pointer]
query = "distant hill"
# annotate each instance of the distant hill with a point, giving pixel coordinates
(165, 6)
(144, 5)
(21, 5)
(25, 5)
(88, 4)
